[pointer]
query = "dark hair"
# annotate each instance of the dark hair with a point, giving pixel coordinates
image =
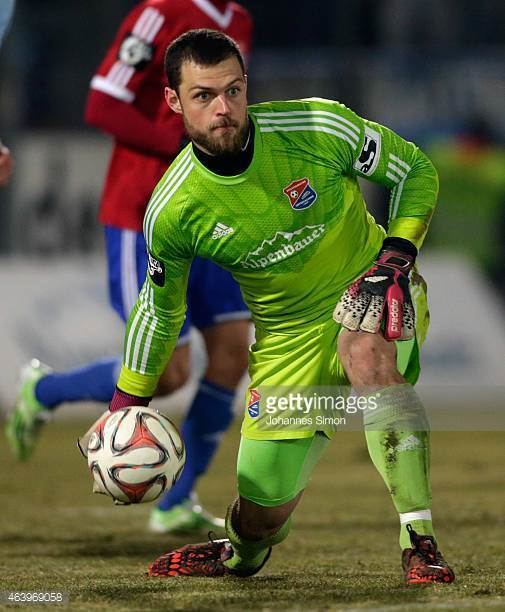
(203, 47)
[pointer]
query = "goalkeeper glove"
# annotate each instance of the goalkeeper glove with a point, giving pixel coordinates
(380, 298)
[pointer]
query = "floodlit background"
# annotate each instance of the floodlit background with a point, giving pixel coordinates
(434, 71)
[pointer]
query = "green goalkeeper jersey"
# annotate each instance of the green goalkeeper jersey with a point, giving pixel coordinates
(292, 229)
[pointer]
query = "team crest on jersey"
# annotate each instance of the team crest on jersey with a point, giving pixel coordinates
(156, 270)
(253, 407)
(300, 194)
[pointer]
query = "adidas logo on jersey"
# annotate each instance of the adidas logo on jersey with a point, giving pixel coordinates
(221, 230)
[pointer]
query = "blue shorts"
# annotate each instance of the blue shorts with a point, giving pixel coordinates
(213, 295)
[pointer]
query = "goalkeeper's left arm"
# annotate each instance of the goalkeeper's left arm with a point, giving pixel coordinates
(387, 159)
(380, 299)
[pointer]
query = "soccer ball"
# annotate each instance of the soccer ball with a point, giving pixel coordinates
(135, 454)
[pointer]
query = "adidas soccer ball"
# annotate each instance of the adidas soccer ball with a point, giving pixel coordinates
(135, 454)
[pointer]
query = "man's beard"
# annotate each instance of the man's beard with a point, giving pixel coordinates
(227, 143)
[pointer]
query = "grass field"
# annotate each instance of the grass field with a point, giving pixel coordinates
(342, 553)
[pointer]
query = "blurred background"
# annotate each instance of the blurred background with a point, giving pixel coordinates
(432, 70)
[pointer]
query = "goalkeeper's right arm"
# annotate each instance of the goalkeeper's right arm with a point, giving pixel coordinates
(151, 335)
(153, 326)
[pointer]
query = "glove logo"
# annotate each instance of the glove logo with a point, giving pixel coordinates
(300, 194)
(253, 407)
(370, 152)
(375, 279)
(394, 316)
(156, 270)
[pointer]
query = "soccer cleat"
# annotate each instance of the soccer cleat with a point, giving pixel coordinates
(424, 563)
(28, 416)
(200, 560)
(188, 517)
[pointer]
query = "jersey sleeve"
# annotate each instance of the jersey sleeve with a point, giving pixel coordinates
(157, 317)
(135, 52)
(369, 150)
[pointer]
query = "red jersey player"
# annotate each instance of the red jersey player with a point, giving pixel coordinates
(126, 101)
(6, 10)
(126, 98)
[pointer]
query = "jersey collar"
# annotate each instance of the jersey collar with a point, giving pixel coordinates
(238, 178)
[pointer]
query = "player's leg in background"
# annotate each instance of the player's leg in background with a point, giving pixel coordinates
(217, 309)
(178, 370)
(42, 390)
(398, 440)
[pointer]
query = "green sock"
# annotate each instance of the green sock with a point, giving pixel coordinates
(397, 434)
(248, 554)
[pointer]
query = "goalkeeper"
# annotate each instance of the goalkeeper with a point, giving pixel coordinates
(270, 193)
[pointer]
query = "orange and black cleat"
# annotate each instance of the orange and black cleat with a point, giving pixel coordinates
(424, 563)
(193, 560)
(199, 560)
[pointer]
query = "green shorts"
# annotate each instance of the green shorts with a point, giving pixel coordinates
(309, 359)
(273, 472)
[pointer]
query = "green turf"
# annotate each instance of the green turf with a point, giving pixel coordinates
(342, 553)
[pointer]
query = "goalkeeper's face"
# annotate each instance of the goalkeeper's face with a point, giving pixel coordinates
(213, 104)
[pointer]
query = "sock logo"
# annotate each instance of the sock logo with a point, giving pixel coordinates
(410, 443)
(253, 407)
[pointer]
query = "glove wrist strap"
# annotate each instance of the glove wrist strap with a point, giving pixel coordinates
(394, 243)
(120, 399)
(398, 253)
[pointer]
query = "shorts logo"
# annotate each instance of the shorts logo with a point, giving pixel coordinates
(253, 407)
(370, 152)
(156, 270)
(135, 52)
(300, 194)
